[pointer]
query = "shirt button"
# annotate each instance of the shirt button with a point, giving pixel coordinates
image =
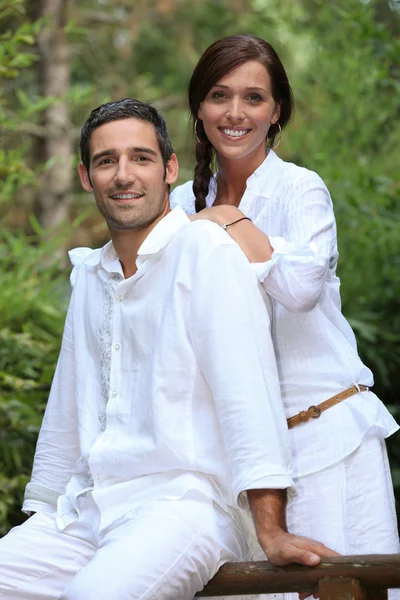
(117, 347)
(114, 393)
(99, 477)
(120, 298)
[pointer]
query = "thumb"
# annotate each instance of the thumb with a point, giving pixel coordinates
(307, 558)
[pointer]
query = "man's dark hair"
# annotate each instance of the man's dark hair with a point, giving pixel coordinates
(126, 108)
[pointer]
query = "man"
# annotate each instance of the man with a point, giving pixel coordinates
(164, 413)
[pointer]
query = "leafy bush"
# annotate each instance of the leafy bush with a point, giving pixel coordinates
(33, 297)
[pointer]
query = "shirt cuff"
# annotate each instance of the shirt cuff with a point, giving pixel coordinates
(273, 482)
(283, 249)
(40, 495)
(34, 506)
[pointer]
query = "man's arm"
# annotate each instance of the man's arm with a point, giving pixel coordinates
(281, 548)
(58, 446)
(230, 330)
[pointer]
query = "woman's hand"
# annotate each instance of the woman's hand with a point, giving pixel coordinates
(254, 243)
(224, 213)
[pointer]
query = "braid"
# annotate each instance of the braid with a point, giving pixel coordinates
(202, 173)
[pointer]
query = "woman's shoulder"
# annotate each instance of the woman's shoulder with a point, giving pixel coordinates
(290, 174)
(183, 196)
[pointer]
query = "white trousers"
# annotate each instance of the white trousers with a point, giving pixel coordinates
(164, 549)
(348, 506)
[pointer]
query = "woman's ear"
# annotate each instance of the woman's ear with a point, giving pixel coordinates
(276, 114)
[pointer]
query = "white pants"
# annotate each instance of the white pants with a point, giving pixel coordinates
(348, 506)
(163, 549)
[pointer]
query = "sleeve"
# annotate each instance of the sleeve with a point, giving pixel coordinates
(57, 448)
(296, 273)
(230, 332)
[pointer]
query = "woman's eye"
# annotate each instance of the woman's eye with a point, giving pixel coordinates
(254, 98)
(218, 95)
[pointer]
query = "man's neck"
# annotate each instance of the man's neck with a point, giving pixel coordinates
(127, 243)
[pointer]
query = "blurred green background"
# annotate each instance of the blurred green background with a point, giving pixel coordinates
(60, 58)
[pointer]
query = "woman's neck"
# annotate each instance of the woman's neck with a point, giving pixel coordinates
(232, 177)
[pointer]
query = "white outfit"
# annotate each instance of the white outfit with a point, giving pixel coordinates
(317, 358)
(151, 403)
(315, 346)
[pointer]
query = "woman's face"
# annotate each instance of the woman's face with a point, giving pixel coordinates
(238, 111)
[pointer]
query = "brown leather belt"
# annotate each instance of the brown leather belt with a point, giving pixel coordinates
(313, 412)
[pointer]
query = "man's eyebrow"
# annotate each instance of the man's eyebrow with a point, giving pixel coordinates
(143, 150)
(113, 152)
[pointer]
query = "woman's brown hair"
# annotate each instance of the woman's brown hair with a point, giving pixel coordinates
(221, 58)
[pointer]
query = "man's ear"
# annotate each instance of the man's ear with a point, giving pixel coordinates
(84, 177)
(172, 169)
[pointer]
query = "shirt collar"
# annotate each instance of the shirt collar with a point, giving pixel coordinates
(159, 237)
(266, 172)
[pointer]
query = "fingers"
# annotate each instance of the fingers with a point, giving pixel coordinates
(309, 559)
(305, 595)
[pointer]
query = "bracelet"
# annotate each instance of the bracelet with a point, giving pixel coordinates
(226, 225)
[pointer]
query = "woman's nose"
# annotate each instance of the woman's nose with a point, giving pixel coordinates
(235, 109)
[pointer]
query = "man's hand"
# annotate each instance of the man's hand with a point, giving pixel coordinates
(283, 548)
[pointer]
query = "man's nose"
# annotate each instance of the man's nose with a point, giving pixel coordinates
(124, 174)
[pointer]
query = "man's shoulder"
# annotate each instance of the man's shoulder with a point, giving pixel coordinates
(202, 234)
(82, 256)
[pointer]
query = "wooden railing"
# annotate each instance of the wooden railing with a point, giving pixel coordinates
(366, 577)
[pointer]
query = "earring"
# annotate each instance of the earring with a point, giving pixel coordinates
(196, 135)
(279, 133)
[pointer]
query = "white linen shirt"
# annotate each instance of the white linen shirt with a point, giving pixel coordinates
(165, 383)
(315, 346)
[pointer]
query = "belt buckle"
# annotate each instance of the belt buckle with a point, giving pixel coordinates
(316, 411)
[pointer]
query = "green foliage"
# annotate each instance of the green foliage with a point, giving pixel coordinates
(347, 130)
(32, 290)
(32, 307)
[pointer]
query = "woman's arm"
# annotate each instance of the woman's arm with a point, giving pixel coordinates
(292, 267)
(254, 243)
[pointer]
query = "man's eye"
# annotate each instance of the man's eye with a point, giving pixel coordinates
(105, 161)
(143, 159)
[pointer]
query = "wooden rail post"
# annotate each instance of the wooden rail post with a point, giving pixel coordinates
(348, 589)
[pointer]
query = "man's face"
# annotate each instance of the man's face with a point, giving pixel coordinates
(127, 174)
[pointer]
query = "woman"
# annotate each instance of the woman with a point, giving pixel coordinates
(240, 100)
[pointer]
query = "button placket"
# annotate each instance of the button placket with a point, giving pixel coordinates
(106, 343)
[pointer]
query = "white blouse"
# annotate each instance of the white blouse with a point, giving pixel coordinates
(314, 344)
